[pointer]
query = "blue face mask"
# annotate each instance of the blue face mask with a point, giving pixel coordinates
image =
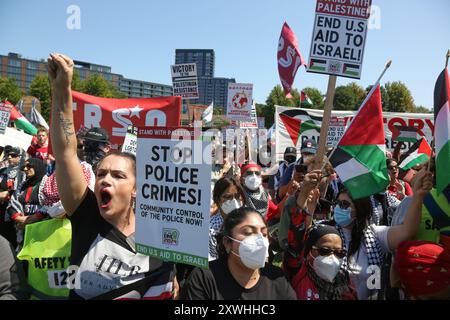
(343, 217)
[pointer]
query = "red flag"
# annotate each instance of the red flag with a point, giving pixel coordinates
(289, 58)
(115, 115)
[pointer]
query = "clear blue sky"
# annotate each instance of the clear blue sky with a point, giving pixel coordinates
(138, 38)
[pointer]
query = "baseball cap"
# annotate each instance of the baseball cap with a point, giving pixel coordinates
(12, 150)
(290, 151)
(97, 134)
(309, 146)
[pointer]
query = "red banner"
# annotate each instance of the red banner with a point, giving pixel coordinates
(115, 115)
(289, 58)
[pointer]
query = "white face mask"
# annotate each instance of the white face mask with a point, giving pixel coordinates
(253, 251)
(327, 267)
(230, 205)
(253, 182)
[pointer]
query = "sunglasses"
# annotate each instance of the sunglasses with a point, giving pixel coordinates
(323, 251)
(344, 204)
(392, 168)
(27, 166)
(13, 155)
(231, 196)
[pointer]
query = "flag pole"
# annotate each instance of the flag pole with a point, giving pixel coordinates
(387, 66)
(446, 60)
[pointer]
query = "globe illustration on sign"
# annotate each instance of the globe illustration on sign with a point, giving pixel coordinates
(239, 100)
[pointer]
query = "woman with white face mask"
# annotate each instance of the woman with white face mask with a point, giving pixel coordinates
(256, 196)
(241, 272)
(320, 277)
(228, 196)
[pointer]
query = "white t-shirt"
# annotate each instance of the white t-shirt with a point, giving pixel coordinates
(358, 264)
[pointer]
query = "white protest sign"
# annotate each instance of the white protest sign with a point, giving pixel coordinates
(339, 35)
(239, 103)
(16, 138)
(184, 80)
(173, 169)
(253, 123)
(130, 142)
(5, 112)
(335, 131)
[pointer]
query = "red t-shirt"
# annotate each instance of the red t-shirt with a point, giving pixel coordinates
(35, 151)
(394, 190)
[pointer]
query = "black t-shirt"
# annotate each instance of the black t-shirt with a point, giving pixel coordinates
(218, 283)
(108, 266)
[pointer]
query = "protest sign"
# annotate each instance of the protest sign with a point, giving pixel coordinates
(423, 122)
(173, 170)
(115, 115)
(239, 103)
(335, 131)
(339, 35)
(184, 80)
(253, 123)
(16, 138)
(5, 112)
(130, 141)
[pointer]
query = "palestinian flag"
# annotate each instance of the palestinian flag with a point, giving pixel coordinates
(442, 130)
(419, 153)
(21, 122)
(317, 65)
(359, 158)
(295, 127)
(351, 70)
(305, 100)
(405, 134)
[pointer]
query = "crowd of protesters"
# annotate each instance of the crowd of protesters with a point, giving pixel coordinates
(296, 233)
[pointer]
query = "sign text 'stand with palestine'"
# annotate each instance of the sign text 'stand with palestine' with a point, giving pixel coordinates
(339, 35)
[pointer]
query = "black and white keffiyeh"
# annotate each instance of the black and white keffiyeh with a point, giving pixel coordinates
(258, 200)
(373, 248)
(215, 224)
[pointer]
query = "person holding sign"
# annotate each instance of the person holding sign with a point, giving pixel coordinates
(241, 272)
(104, 261)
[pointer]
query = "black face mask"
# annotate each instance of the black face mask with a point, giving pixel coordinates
(290, 159)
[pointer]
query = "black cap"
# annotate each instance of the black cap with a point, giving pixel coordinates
(290, 150)
(12, 150)
(316, 232)
(97, 134)
(309, 146)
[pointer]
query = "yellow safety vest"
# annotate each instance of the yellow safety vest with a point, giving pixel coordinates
(435, 217)
(46, 247)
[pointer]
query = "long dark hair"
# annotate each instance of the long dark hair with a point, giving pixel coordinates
(223, 184)
(364, 210)
(234, 218)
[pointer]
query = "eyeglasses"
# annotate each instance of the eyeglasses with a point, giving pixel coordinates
(249, 173)
(231, 196)
(323, 251)
(344, 204)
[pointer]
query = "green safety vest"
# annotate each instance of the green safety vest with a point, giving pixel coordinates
(435, 217)
(46, 247)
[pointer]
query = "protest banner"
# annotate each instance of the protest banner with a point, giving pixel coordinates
(339, 35)
(16, 138)
(130, 141)
(5, 112)
(115, 115)
(184, 80)
(239, 103)
(423, 122)
(173, 170)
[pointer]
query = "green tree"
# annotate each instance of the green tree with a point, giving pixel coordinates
(76, 81)
(277, 97)
(41, 89)
(399, 97)
(97, 86)
(359, 93)
(344, 99)
(10, 90)
(316, 97)
(421, 109)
